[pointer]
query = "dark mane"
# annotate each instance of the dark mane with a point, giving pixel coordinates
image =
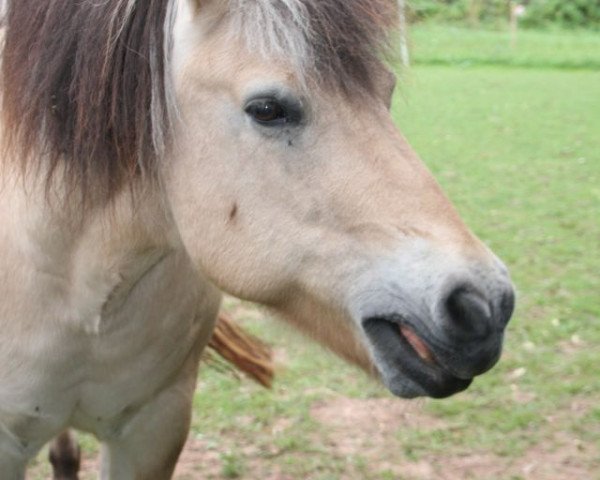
(349, 39)
(83, 84)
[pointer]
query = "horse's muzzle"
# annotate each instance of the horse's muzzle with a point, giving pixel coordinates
(440, 356)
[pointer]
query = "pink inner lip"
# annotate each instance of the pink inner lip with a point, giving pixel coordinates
(418, 345)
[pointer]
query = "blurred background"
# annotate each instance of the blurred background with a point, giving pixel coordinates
(502, 101)
(496, 13)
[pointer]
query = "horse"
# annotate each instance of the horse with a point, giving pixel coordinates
(158, 153)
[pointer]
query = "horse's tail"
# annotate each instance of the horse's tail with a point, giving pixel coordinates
(243, 350)
(65, 457)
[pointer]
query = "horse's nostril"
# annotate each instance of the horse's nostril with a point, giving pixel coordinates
(507, 307)
(469, 314)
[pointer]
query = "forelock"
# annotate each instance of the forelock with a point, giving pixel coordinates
(337, 42)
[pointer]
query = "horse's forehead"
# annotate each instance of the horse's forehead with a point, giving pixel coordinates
(338, 42)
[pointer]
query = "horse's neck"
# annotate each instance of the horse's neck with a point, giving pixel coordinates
(81, 266)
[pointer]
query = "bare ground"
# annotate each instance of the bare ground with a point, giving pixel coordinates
(367, 427)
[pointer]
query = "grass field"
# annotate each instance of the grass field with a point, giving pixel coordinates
(518, 151)
(442, 45)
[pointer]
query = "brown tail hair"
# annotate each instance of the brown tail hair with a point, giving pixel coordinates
(243, 350)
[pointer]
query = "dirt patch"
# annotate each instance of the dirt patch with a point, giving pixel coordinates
(198, 461)
(560, 458)
(369, 428)
(357, 426)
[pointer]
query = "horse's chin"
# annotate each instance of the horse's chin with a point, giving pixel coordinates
(404, 387)
(406, 364)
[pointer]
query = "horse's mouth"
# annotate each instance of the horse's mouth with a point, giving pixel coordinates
(407, 361)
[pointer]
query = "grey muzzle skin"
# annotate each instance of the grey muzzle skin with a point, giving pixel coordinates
(438, 357)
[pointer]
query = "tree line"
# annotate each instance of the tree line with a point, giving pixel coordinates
(532, 13)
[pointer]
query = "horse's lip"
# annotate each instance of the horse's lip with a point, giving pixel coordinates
(418, 344)
(415, 357)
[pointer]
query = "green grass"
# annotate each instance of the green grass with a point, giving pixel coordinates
(518, 151)
(461, 46)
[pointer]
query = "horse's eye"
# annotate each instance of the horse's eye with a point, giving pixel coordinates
(268, 112)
